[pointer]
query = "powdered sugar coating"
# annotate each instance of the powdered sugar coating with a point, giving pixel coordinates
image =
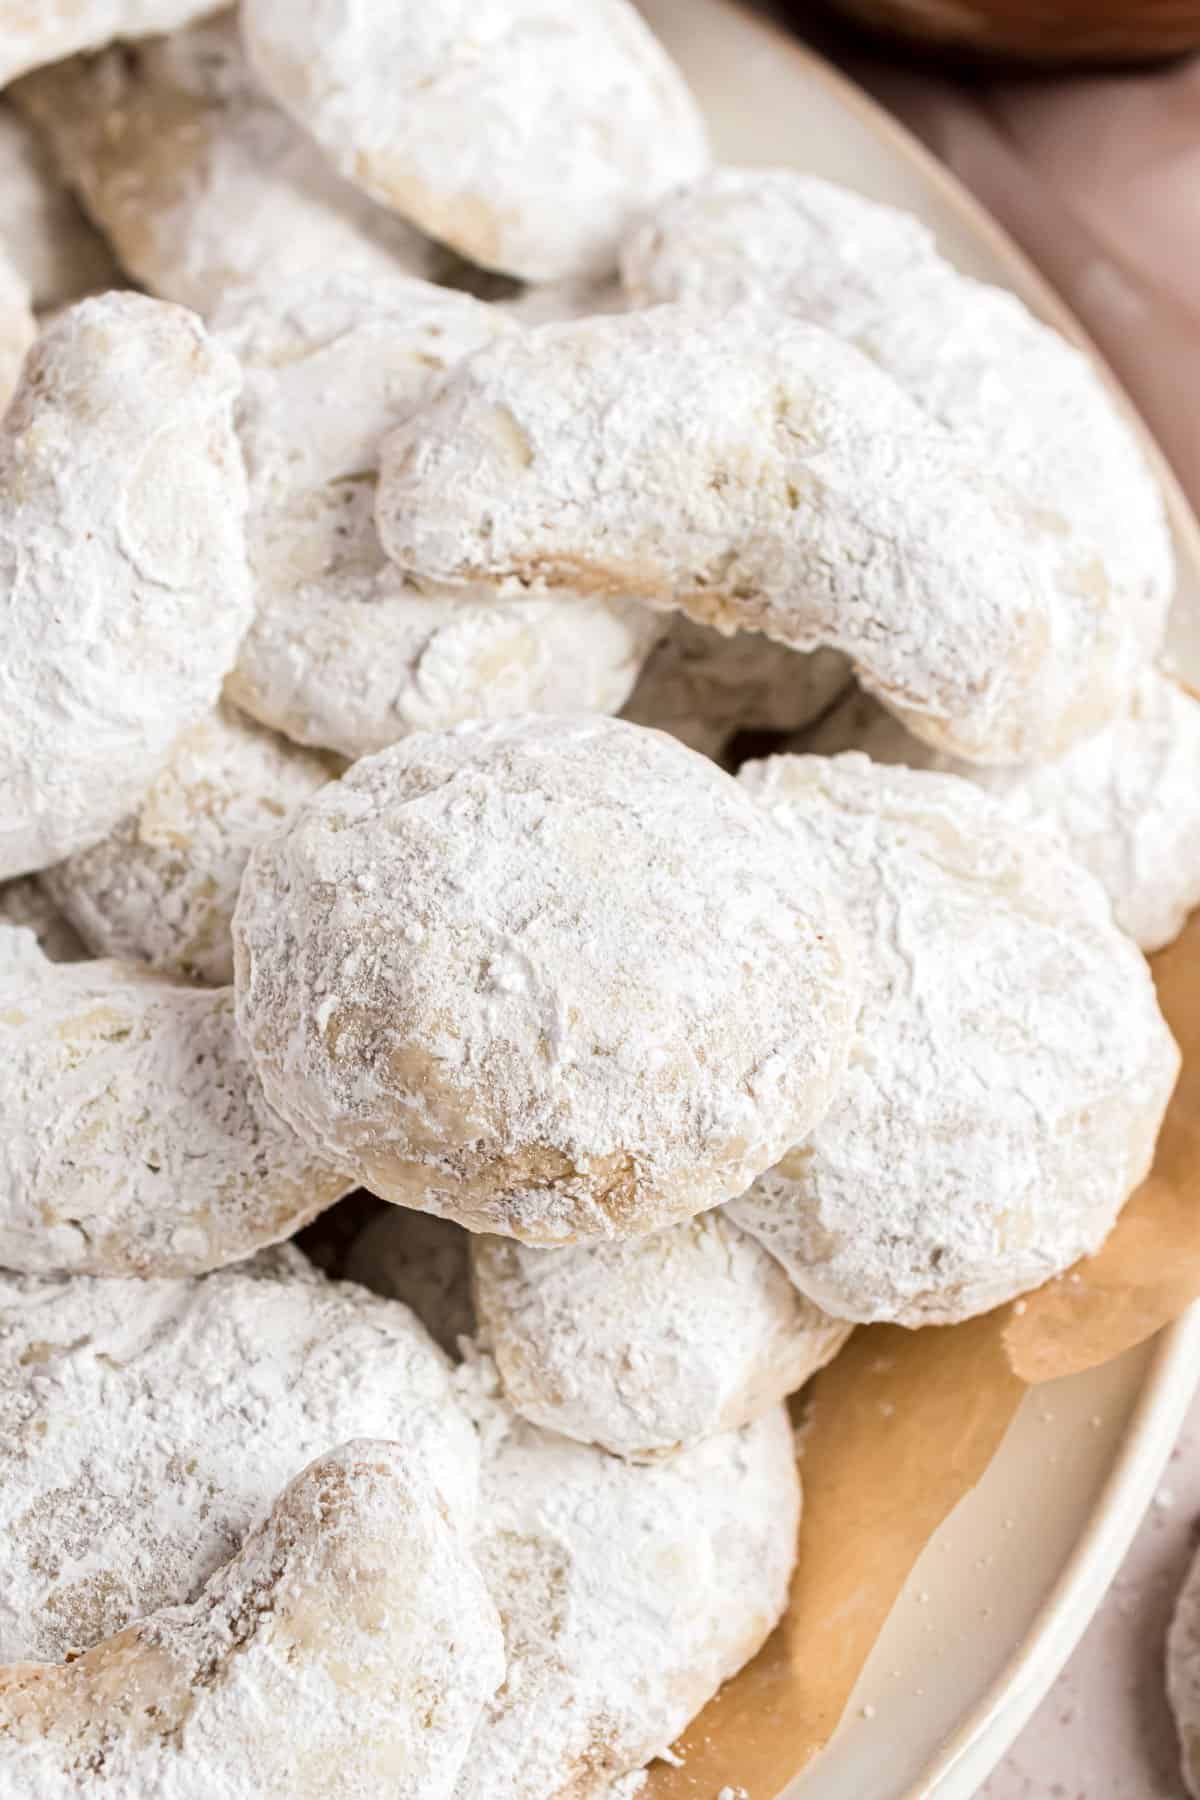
(18, 327)
(351, 1632)
(202, 185)
(134, 1137)
(25, 902)
(1183, 1676)
(344, 650)
(627, 1593)
(757, 472)
(56, 250)
(422, 1260)
(123, 580)
(525, 134)
(969, 354)
(162, 886)
(52, 29)
(648, 1345)
(703, 687)
(1012, 1066)
(551, 978)
(357, 674)
(149, 1425)
(1125, 802)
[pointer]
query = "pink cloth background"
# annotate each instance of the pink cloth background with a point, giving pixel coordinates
(1098, 178)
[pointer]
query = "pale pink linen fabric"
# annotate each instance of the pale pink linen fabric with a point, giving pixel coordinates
(1098, 177)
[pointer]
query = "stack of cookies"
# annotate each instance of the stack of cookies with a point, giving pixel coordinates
(445, 403)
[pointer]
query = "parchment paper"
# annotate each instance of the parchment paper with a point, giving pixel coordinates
(903, 1424)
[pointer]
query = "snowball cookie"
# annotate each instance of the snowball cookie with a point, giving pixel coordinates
(421, 1260)
(650, 1344)
(149, 1425)
(134, 1136)
(26, 902)
(525, 134)
(123, 582)
(57, 252)
(52, 29)
(18, 327)
(628, 1593)
(344, 650)
(969, 354)
(551, 978)
(162, 886)
(703, 687)
(351, 1633)
(758, 473)
(1011, 1070)
(198, 180)
(1126, 802)
(1183, 1676)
